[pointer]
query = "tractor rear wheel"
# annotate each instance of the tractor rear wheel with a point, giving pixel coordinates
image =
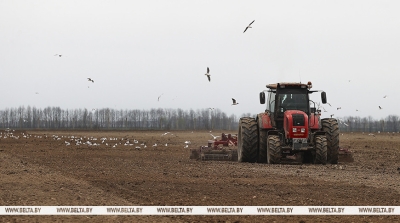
(321, 148)
(247, 140)
(262, 146)
(274, 149)
(331, 127)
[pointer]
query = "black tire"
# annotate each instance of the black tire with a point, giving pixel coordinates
(262, 146)
(247, 140)
(331, 127)
(321, 150)
(274, 152)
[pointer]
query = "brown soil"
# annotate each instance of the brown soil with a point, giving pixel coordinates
(38, 168)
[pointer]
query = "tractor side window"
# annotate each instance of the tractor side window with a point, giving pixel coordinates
(271, 101)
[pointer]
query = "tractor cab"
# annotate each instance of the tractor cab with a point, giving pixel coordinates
(288, 96)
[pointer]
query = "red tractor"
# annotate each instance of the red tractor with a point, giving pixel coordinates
(289, 129)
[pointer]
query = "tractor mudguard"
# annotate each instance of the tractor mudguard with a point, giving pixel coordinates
(315, 121)
(264, 121)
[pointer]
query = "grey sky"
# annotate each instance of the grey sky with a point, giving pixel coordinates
(137, 50)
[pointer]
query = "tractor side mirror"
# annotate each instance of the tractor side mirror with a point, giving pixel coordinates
(323, 97)
(262, 97)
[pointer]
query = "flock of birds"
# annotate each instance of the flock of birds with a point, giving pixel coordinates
(338, 108)
(111, 142)
(234, 102)
(207, 74)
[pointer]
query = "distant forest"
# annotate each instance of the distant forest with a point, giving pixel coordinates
(107, 118)
(157, 119)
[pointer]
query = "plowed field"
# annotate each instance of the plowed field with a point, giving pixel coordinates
(39, 168)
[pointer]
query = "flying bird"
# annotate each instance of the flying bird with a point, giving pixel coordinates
(215, 137)
(249, 26)
(380, 107)
(234, 102)
(90, 79)
(59, 55)
(208, 74)
(159, 97)
(339, 108)
(385, 96)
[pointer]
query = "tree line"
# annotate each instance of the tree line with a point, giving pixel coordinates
(157, 119)
(107, 118)
(368, 124)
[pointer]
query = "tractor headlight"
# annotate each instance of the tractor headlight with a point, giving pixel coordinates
(294, 129)
(303, 130)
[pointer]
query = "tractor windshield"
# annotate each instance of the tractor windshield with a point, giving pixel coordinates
(292, 100)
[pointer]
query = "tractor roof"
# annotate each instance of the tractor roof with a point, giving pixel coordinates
(291, 84)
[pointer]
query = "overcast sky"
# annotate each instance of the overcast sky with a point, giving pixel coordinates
(136, 51)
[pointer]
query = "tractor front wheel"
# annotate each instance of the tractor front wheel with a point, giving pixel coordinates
(247, 140)
(321, 148)
(274, 149)
(331, 127)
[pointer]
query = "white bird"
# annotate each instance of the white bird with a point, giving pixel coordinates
(208, 74)
(186, 146)
(234, 102)
(166, 144)
(215, 137)
(249, 26)
(187, 142)
(90, 79)
(155, 145)
(164, 134)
